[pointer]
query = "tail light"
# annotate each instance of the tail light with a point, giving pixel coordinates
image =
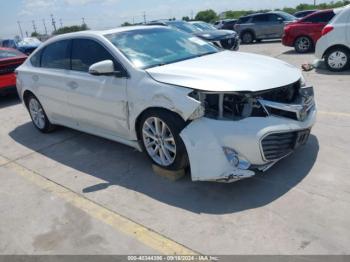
(327, 29)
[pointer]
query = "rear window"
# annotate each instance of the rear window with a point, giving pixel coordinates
(243, 20)
(9, 54)
(323, 17)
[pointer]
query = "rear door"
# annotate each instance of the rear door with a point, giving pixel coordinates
(98, 103)
(261, 26)
(48, 76)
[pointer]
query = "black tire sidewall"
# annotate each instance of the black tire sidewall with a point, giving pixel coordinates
(176, 124)
(344, 50)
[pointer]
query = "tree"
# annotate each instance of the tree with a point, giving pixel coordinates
(207, 16)
(35, 34)
(126, 24)
(186, 18)
(70, 29)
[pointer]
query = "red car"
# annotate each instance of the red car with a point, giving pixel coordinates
(304, 33)
(10, 59)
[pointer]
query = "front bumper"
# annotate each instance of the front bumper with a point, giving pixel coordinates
(287, 40)
(231, 43)
(205, 139)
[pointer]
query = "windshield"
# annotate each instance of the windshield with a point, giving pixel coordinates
(287, 16)
(184, 26)
(147, 48)
(204, 26)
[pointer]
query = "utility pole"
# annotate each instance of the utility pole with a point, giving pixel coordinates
(83, 19)
(45, 26)
(53, 22)
(191, 14)
(144, 17)
(20, 28)
(314, 2)
(133, 20)
(61, 22)
(34, 26)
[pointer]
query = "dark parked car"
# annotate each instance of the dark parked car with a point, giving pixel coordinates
(26, 46)
(227, 24)
(262, 26)
(304, 33)
(302, 14)
(226, 39)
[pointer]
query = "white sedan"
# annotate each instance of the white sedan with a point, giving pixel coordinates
(181, 100)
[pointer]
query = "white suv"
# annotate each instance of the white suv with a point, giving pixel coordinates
(334, 45)
(181, 100)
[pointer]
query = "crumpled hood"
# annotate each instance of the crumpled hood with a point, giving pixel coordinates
(228, 71)
(215, 34)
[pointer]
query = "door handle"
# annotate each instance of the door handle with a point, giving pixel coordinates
(35, 78)
(73, 85)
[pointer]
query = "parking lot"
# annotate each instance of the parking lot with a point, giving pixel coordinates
(73, 193)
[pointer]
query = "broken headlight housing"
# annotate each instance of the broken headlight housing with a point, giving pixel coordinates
(291, 101)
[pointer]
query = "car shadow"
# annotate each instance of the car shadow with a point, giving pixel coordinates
(9, 100)
(122, 166)
(324, 71)
(293, 52)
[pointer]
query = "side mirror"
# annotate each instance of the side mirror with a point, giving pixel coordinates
(104, 68)
(280, 20)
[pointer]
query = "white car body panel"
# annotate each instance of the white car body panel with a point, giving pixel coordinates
(340, 35)
(109, 106)
(228, 72)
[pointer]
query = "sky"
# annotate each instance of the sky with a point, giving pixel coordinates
(104, 14)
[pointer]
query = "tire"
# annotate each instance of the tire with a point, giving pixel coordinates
(157, 146)
(337, 59)
(303, 44)
(38, 115)
(247, 37)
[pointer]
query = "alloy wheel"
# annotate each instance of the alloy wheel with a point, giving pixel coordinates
(159, 141)
(37, 113)
(303, 44)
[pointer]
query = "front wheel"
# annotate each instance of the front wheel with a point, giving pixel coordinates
(38, 115)
(337, 59)
(161, 141)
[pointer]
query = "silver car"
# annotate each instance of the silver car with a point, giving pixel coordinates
(262, 26)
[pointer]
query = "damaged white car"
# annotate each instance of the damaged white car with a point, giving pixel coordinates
(181, 100)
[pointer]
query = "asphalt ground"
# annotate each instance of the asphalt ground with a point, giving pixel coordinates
(73, 193)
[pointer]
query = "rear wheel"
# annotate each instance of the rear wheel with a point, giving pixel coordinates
(247, 37)
(303, 44)
(160, 134)
(337, 59)
(38, 115)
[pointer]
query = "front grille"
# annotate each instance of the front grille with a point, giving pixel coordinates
(284, 94)
(278, 145)
(8, 69)
(228, 43)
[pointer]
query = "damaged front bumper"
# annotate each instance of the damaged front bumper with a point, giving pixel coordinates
(228, 151)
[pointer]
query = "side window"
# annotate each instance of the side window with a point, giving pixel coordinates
(274, 18)
(56, 55)
(260, 19)
(86, 52)
(35, 59)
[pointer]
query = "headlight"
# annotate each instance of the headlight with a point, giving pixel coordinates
(235, 159)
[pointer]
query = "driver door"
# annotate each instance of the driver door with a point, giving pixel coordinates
(99, 104)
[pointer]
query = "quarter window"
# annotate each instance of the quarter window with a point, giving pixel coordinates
(86, 52)
(56, 55)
